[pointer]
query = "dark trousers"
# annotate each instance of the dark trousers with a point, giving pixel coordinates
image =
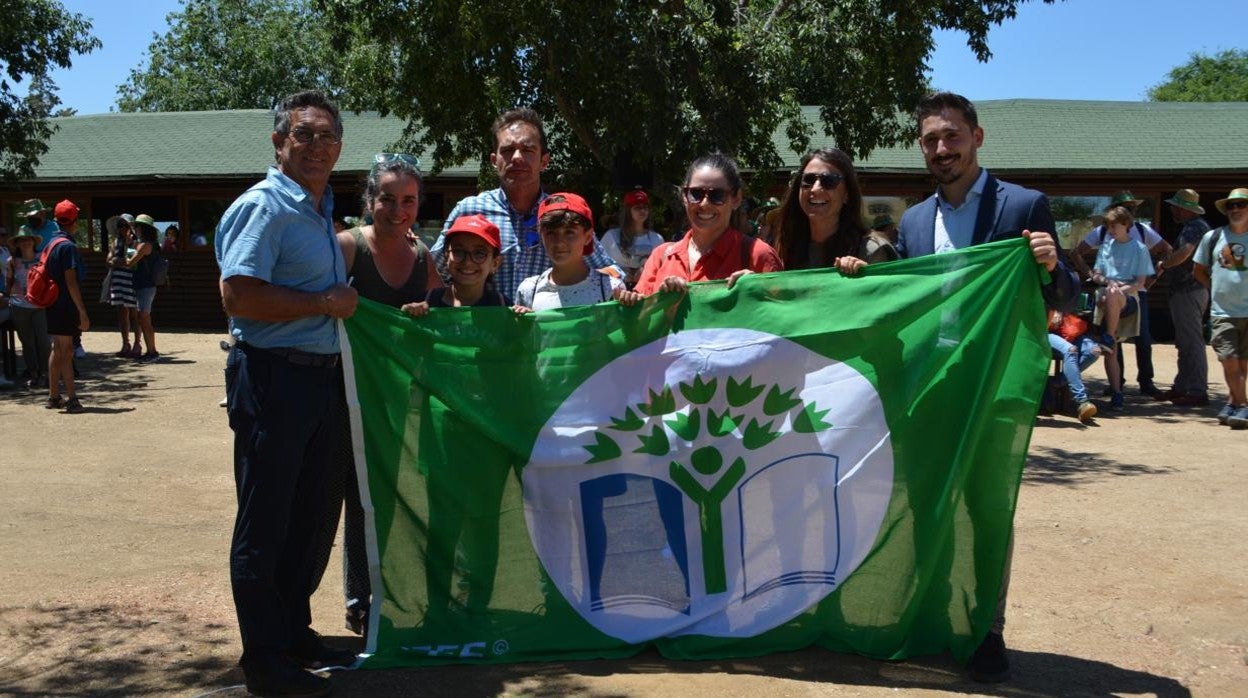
(285, 419)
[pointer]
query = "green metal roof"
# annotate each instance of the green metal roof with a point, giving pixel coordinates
(1021, 135)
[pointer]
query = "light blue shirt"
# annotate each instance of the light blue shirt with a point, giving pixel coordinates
(46, 231)
(1123, 261)
(1225, 256)
(955, 227)
(273, 233)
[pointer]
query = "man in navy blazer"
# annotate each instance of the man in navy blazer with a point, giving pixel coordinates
(971, 207)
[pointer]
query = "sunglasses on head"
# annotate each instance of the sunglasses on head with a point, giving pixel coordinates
(381, 159)
(715, 195)
(829, 180)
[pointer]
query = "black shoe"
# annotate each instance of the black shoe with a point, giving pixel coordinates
(278, 676)
(990, 664)
(1152, 391)
(357, 618)
(308, 650)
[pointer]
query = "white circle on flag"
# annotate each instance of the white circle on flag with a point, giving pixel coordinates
(758, 484)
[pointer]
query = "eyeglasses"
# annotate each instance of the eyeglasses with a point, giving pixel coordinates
(463, 254)
(829, 180)
(382, 159)
(307, 135)
(715, 195)
(1232, 205)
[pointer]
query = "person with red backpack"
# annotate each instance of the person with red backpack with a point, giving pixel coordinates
(61, 264)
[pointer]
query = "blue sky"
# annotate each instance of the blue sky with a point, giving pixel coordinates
(1077, 49)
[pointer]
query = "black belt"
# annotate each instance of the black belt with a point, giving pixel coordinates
(299, 357)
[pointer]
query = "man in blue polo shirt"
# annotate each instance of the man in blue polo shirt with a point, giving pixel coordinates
(283, 284)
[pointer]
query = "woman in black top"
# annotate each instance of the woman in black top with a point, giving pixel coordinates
(388, 264)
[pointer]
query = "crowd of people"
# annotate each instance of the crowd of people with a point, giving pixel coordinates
(284, 288)
(49, 318)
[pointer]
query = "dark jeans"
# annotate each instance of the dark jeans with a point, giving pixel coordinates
(285, 419)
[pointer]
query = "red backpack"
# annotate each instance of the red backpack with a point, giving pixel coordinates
(41, 289)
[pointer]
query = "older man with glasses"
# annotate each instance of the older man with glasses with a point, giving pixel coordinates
(284, 286)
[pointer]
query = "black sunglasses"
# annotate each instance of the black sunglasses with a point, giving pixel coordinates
(1236, 204)
(715, 195)
(829, 180)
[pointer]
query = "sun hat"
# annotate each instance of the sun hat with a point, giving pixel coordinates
(30, 207)
(479, 226)
(1239, 194)
(1186, 199)
(25, 232)
(1124, 198)
(637, 197)
(144, 219)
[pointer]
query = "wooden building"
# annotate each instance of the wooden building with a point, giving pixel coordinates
(186, 167)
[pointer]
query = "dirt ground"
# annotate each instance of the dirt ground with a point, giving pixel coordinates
(1130, 572)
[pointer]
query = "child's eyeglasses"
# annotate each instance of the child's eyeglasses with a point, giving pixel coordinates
(381, 159)
(829, 180)
(463, 254)
(715, 195)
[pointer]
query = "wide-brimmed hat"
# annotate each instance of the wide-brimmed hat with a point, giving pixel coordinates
(1186, 199)
(1124, 198)
(31, 207)
(144, 219)
(1239, 194)
(25, 232)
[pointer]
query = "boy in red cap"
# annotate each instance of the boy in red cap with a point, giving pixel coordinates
(473, 255)
(566, 225)
(67, 316)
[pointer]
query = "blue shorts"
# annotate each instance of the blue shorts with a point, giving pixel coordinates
(145, 296)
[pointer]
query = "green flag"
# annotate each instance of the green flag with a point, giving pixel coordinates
(805, 458)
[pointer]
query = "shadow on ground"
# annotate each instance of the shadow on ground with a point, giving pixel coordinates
(1060, 466)
(1036, 674)
(109, 650)
(115, 650)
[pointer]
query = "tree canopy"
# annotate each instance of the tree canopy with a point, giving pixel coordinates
(1219, 78)
(236, 54)
(36, 36)
(652, 83)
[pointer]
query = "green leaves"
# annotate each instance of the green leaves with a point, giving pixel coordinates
(810, 421)
(699, 393)
(741, 394)
(630, 422)
(722, 424)
(686, 426)
(660, 403)
(756, 436)
(656, 444)
(698, 420)
(604, 449)
(777, 403)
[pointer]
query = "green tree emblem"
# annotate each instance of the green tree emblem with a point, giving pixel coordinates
(675, 422)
